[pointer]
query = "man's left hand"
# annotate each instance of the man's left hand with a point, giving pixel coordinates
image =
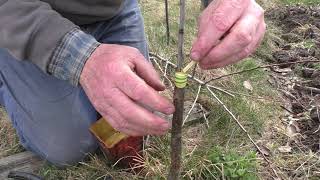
(229, 30)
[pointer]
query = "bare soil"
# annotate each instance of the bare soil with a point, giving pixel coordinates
(300, 82)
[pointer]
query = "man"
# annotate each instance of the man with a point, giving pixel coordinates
(62, 63)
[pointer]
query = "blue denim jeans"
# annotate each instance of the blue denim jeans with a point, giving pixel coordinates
(51, 117)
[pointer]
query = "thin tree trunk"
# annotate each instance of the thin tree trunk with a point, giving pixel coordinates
(176, 141)
(167, 21)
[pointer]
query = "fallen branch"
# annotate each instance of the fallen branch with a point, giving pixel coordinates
(194, 71)
(260, 67)
(308, 89)
(204, 116)
(237, 121)
(176, 133)
(163, 71)
(193, 105)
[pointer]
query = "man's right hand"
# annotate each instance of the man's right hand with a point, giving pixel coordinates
(118, 80)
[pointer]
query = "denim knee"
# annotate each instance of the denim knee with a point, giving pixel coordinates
(69, 152)
(51, 117)
(1, 92)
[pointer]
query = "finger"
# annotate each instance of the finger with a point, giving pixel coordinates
(134, 87)
(146, 71)
(215, 21)
(114, 117)
(240, 36)
(135, 115)
(243, 54)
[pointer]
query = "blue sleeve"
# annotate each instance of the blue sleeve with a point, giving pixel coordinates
(70, 56)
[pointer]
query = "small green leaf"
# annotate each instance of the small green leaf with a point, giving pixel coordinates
(241, 172)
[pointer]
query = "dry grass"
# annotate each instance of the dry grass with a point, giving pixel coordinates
(9, 143)
(259, 115)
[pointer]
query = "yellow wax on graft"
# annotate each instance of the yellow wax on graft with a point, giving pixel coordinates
(181, 79)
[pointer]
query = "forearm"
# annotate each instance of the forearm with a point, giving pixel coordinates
(31, 30)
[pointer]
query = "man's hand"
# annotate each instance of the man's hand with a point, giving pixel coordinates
(118, 80)
(229, 30)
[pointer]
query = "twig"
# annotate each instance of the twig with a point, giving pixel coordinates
(222, 90)
(176, 136)
(153, 56)
(165, 75)
(164, 72)
(306, 161)
(204, 115)
(233, 93)
(286, 109)
(167, 21)
(260, 67)
(243, 129)
(232, 115)
(155, 61)
(231, 136)
(194, 71)
(165, 69)
(308, 89)
(193, 105)
(318, 114)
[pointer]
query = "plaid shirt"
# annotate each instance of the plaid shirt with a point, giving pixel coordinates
(70, 56)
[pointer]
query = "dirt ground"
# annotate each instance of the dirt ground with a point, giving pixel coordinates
(299, 83)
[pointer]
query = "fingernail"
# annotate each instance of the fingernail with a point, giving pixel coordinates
(195, 56)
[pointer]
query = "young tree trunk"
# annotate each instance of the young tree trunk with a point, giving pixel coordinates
(176, 145)
(167, 21)
(176, 135)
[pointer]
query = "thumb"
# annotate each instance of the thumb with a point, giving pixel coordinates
(214, 23)
(202, 46)
(211, 29)
(145, 70)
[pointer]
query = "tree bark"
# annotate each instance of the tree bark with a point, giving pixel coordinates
(176, 136)
(167, 21)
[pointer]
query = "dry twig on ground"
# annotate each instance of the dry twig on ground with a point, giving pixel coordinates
(260, 67)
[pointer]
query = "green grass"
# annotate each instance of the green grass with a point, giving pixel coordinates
(232, 165)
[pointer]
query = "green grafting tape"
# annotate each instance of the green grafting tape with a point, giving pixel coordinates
(181, 79)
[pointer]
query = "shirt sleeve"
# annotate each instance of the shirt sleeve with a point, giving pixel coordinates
(30, 30)
(71, 54)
